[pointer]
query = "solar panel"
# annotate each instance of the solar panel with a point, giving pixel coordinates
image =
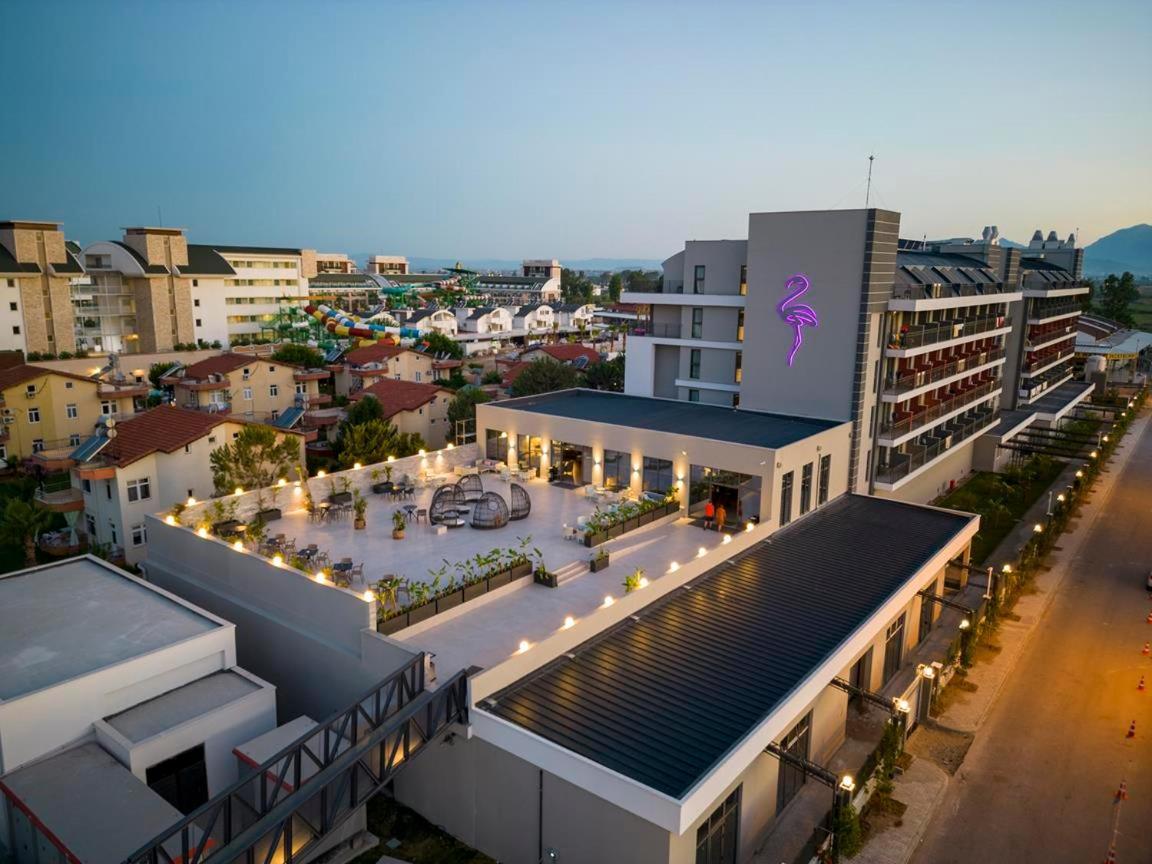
(289, 418)
(89, 448)
(334, 354)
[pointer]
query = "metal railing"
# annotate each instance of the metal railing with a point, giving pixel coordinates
(901, 464)
(1047, 360)
(1048, 335)
(919, 335)
(933, 412)
(1051, 308)
(283, 808)
(920, 378)
(668, 331)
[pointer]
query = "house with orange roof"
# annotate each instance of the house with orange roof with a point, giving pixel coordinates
(362, 367)
(413, 407)
(141, 466)
(251, 388)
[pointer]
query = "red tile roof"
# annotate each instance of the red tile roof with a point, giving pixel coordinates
(377, 353)
(164, 429)
(221, 364)
(566, 353)
(17, 375)
(513, 372)
(397, 396)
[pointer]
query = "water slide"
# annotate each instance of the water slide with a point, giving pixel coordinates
(340, 323)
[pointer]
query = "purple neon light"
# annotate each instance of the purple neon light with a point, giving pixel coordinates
(797, 315)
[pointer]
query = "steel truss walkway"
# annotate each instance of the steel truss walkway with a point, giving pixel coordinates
(283, 809)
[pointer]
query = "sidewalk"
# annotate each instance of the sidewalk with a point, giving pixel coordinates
(923, 785)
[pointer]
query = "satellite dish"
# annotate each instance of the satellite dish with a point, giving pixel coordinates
(110, 422)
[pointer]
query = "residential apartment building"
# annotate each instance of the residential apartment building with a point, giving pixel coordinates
(38, 271)
(829, 314)
(413, 408)
(538, 282)
(363, 367)
(48, 410)
(430, 320)
(334, 262)
(248, 387)
(387, 265)
(350, 292)
(116, 722)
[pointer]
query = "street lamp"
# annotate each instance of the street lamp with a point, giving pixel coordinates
(1038, 528)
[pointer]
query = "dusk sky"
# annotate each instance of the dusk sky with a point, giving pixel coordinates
(524, 129)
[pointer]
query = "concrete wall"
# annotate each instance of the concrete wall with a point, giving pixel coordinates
(827, 247)
(938, 478)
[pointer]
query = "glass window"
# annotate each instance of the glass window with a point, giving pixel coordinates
(697, 322)
(139, 534)
(825, 478)
(33, 415)
(495, 445)
(273, 389)
(719, 836)
(107, 408)
(694, 363)
(693, 395)
(738, 374)
(70, 411)
(786, 498)
(893, 648)
(698, 280)
(139, 490)
(528, 450)
(743, 278)
(617, 469)
(73, 440)
(657, 475)
(806, 489)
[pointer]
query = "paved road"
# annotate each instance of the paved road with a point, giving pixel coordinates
(1038, 783)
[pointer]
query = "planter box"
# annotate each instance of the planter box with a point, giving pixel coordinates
(543, 577)
(471, 592)
(498, 580)
(630, 524)
(269, 515)
(340, 498)
(382, 488)
(644, 518)
(615, 531)
(597, 563)
(227, 527)
(393, 625)
(519, 571)
(449, 601)
(421, 613)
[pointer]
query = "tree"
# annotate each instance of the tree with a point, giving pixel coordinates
(1116, 295)
(491, 377)
(615, 286)
(257, 457)
(575, 287)
(374, 441)
(299, 355)
(440, 344)
(22, 525)
(608, 375)
(544, 376)
(463, 405)
(366, 408)
(157, 371)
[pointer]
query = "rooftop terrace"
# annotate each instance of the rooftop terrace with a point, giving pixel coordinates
(69, 619)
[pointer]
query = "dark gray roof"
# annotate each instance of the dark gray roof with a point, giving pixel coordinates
(497, 279)
(359, 280)
(9, 264)
(714, 422)
(205, 261)
(481, 311)
(257, 250)
(70, 267)
(530, 307)
(1040, 264)
(664, 698)
(150, 269)
(1058, 398)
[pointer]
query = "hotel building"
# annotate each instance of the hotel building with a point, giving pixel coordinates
(38, 273)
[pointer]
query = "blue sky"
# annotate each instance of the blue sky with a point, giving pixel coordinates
(523, 129)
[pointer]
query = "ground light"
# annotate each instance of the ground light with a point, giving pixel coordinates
(1060, 498)
(643, 583)
(191, 501)
(238, 546)
(283, 481)
(902, 706)
(1038, 528)
(169, 519)
(965, 624)
(524, 646)
(701, 552)
(277, 560)
(569, 622)
(727, 539)
(202, 532)
(356, 466)
(608, 601)
(1093, 454)
(1007, 568)
(847, 784)
(239, 490)
(749, 527)
(321, 473)
(1079, 475)
(321, 578)
(673, 567)
(368, 595)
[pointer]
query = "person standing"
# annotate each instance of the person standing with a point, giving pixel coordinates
(709, 514)
(721, 517)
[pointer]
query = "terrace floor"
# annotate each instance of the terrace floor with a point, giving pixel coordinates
(487, 630)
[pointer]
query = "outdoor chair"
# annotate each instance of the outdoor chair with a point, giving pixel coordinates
(472, 487)
(521, 503)
(490, 512)
(446, 498)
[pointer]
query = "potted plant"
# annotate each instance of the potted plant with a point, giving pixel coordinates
(222, 517)
(359, 508)
(420, 609)
(398, 526)
(632, 580)
(598, 561)
(256, 532)
(380, 487)
(450, 595)
(386, 591)
(540, 574)
(268, 514)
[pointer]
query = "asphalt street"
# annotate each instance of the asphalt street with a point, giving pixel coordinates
(1039, 783)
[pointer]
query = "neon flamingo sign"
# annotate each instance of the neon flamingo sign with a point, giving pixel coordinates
(797, 315)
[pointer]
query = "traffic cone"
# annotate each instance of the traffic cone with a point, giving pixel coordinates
(1131, 730)
(1122, 792)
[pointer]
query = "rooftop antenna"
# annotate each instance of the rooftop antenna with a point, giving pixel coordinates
(868, 191)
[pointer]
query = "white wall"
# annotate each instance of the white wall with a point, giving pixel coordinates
(9, 317)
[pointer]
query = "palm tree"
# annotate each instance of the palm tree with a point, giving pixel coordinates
(22, 525)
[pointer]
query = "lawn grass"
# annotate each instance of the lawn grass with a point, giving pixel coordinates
(1017, 491)
(421, 842)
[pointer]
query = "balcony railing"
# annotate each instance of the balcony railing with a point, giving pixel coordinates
(900, 465)
(667, 331)
(1048, 360)
(1048, 335)
(919, 335)
(1051, 308)
(916, 378)
(931, 413)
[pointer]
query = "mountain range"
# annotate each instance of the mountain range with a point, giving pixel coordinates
(500, 265)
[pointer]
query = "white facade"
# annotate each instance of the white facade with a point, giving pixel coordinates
(493, 320)
(535, 319)
(227, 307)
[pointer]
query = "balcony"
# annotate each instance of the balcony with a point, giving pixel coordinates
(1038, 339)
(128, 389)
(901, 466)
(56, 493)
(904, 386)
(926, 298)
(905, 423)
(1032, 388)
(311, 375)
(956, 330)
(1046, 362)
(1049, 310)
(673, 294)
(662, 331)
(209, 407)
